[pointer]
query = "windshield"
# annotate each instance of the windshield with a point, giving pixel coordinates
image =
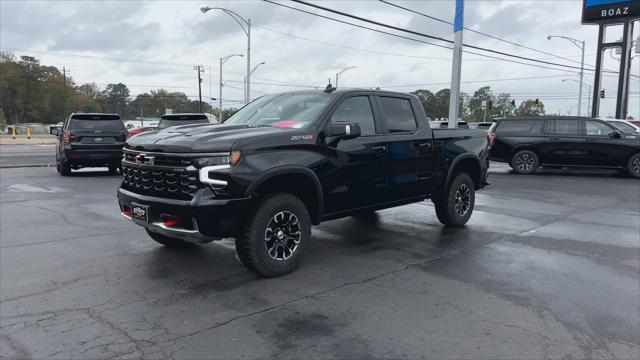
(622, 126)
(283, 110)
(175, 120)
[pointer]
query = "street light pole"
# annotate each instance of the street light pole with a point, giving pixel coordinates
(222, 61)
(581, 46)
(588, 92)
(245, 24)
(340, 73)
(246, 82)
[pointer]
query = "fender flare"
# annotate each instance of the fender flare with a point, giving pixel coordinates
(453, 165)
(292, 169)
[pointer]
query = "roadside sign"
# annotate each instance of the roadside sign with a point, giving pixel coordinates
(609, 11)
(484, 104)
(168, 111)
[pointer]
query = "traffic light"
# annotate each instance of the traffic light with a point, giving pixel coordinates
(537, 102)
(490, 105)
(602, 94)
(513, 103)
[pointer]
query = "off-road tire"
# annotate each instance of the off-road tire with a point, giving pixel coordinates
(461, 190)
(64, 168)
(252, 244)
(525, 162)
(169, 241)
(633, 166)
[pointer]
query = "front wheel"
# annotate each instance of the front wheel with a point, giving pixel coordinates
(455, 206)
(633, 166)
(525, 162)
(275, 235)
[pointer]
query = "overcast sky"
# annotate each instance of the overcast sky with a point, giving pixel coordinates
(162, 41)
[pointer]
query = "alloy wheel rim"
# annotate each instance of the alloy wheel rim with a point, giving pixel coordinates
(525, 162)
(462, 200)
(636, 166)
(282, 235)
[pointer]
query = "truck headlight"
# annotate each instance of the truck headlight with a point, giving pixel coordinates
(209, 166)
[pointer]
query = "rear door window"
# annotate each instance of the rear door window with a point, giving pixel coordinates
(521, 127)
(566, 127)
(95, 122)
(398, 114)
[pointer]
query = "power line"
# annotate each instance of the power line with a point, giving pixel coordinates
(413, 39)
(349, 47)
(429, 36)
(479, 32)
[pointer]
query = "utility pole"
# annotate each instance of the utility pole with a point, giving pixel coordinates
(141, 106)
(454, 97)
(64, 77)
(199, 69)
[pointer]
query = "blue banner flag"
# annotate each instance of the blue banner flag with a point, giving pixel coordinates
(458, 23)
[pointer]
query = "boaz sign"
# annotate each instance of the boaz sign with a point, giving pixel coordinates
(609, 11)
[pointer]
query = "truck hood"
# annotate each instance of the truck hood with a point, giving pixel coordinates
(199, 138)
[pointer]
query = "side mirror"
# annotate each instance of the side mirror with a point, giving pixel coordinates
(615, 135)
(54, 130)
(345, 131)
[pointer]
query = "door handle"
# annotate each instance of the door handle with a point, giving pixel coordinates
(554, 138)
(426, 145)
(378, 148)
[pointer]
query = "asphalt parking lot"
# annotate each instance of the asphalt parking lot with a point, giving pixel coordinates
(548, 267)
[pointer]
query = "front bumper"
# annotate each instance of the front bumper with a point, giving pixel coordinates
(201, 220)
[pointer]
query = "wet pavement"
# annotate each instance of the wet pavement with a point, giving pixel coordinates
(27, 155)
(548, 267)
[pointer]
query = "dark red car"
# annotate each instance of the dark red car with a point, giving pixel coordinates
(141, 129)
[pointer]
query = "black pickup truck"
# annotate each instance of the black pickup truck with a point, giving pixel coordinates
(288, 161)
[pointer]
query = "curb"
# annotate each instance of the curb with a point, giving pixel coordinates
(26, 166)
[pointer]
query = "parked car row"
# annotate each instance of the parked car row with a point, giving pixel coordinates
(97, 139)
(528, 143)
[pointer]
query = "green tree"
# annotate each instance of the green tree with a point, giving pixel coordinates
(115, 98)
(530, 108)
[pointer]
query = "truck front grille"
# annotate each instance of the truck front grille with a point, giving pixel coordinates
(178, 183)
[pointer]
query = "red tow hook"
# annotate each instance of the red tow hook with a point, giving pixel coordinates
(126, 211)
(169, 220)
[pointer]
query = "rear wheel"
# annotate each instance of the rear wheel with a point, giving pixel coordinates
(455, 206)
(169, 241)
(633, 166)
(64, 168)
(525, 162)
(275, 236)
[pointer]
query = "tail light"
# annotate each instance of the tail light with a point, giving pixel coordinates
(491, 137)
(67, 136)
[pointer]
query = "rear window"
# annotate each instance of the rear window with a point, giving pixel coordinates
(175, 120)
(95, 122)
(564, 127)
(520, 127)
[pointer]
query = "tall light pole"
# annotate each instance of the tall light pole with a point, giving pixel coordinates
(340, 73)
(580, 45)
(588, 92)
(222, 61)
(251, 73)
(456, 66)
(245, 24)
